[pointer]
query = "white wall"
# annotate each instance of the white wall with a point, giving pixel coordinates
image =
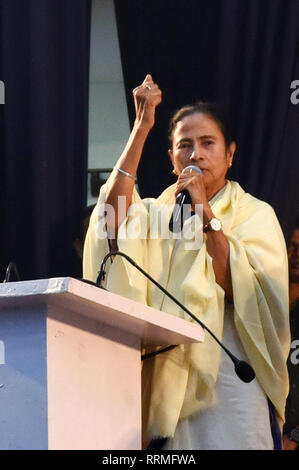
(108, 116)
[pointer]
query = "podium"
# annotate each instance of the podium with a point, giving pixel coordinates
(70, 364)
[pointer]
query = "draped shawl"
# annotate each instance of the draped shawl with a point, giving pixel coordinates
(181, 382)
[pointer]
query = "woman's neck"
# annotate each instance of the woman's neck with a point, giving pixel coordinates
(211, 192)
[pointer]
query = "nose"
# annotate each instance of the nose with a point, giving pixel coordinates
(195, 155)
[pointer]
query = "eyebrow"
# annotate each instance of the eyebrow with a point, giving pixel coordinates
(202, 137)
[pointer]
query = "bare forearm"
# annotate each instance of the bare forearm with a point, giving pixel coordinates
(120, 184)
(218, 249)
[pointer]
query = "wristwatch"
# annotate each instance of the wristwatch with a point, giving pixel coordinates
(294, 435)
(214, 224)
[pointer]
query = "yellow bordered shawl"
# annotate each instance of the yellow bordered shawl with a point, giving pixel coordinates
(181, 381)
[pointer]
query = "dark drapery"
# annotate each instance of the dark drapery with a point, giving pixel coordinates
(241, 53)
(44, 60)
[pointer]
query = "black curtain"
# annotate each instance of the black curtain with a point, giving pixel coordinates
(241, 53)
(44, 64)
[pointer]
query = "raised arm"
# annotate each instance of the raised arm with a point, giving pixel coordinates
(147, 97)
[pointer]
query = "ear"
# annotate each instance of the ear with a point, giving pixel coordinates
(230, 152)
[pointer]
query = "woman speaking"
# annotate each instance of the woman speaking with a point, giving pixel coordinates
(234, 278)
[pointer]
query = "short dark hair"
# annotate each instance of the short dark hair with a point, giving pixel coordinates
(213, 110)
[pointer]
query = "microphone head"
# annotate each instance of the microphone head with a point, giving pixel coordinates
(193, 168)
(244, 371)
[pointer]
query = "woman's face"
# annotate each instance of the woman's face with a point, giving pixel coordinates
(200, 134)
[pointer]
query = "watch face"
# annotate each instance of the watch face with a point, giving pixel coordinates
(215, 224)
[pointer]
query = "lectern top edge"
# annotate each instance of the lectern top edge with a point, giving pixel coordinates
(90, 301)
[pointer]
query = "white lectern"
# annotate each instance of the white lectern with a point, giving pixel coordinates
(70, 368)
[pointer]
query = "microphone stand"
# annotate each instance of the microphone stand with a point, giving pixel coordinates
(243, 370)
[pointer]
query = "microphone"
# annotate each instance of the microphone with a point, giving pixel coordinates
(243, 370)
(179, 215)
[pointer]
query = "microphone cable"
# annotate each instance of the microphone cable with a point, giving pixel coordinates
(243, 370)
